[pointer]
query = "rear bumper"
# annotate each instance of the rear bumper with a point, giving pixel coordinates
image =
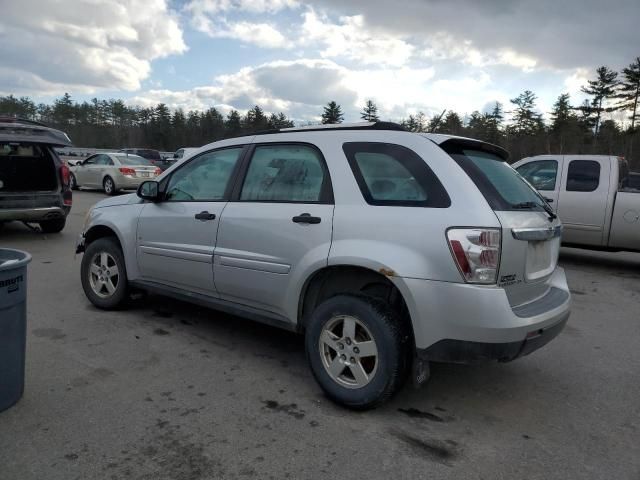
(462, 323)
(130, 183)
(461, 351)
(32, 214)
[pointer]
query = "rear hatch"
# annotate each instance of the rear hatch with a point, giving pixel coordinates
(26, 167)
(530, 242)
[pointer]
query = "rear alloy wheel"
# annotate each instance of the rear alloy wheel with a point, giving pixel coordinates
(53, 226)
(73, 183)
(109, 186)
(357, 349)
(104, 275)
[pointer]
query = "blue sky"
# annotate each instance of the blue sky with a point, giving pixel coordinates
(296, 55)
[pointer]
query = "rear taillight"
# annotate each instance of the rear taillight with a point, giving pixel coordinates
(127, 171)
(476, 252)
(64, 175)
(158, 171)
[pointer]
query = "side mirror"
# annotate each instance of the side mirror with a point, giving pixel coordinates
(149, 190)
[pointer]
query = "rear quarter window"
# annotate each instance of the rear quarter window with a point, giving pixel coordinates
(503, 187)
(393, 175)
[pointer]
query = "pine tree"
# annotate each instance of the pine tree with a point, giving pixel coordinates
(494, 124)
(233, 124)
(370, 112)
(256, 120)
(452, 124)
(332, 113)
(601, 89)
(629, 91)
(525, 119)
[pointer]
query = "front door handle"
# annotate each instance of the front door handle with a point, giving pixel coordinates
(204, 216)
(548, 200)
(306, 218)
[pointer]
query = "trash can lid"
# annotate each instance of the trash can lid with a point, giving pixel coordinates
(10, 258)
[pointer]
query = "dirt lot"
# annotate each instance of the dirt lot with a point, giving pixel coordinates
(171, 391)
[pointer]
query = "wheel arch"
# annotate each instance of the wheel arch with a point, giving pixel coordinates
(333, 280)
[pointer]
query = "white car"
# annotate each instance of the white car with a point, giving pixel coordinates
(112, 172)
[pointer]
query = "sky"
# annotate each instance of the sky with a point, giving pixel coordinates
(295, 56)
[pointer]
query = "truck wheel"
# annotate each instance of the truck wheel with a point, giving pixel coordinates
(109, 186)
(53, 226)
(357, 348)
(104, 274)
(73, 183)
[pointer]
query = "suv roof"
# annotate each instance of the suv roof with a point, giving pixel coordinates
(14, 129)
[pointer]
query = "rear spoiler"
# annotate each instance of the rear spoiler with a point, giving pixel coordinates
(459, 142)
(32, 132)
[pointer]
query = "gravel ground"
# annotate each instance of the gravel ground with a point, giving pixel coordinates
(167, 390)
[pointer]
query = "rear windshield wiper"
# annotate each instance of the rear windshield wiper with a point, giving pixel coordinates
(528, 205)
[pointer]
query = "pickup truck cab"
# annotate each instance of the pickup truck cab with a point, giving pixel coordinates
(596, 197)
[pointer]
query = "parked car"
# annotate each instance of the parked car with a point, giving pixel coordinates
(152, 155)
(183, 153)
(34, 182)
(112, 172)
(596, 196)
(388, 249)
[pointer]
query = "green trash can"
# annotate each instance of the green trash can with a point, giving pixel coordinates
(13, 324)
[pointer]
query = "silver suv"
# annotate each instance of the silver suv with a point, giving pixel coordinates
(387, 249)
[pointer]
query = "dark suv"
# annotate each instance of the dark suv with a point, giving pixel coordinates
(34, 182)
(152, 155)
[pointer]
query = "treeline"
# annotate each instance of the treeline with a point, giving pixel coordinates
(114, 124)
(582, 129)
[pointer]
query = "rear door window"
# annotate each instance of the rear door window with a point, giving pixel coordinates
(393, 175)
(583, 176)
(286, 173)
(541, 174)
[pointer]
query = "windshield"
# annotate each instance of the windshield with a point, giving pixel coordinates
(133, 160)
(502, 186)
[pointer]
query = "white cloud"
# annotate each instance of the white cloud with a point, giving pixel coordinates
(259, 34)
(209, 15)
(353, 39)
(83, 45)
(302, 87)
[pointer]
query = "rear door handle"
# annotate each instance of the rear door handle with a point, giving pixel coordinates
(306, 218)
(204, 216)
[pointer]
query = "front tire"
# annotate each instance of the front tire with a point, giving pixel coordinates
(104, 274)
(53, 226)
(109, 186)
(73, 183)
(357, 348)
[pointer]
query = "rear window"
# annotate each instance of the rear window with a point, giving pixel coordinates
(500, 184)
(152, 154)
(583, 176)
(133, 160)
(394, 175)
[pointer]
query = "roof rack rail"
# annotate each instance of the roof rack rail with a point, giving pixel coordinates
(12, 119)
(336, 126)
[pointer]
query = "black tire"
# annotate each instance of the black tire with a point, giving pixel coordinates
(392, 340)
(53, 226)
(120, 295)
(73, 183)
(109, 186)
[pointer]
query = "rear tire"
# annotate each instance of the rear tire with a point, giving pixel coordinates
(104, 275)
(109, 186)
(73, 183)
(358, 366)
(53, 226)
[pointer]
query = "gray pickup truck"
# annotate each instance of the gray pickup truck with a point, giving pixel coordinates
(596, 197)
(34, 182)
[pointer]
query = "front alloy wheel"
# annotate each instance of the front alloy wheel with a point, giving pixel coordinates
(104, 275)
